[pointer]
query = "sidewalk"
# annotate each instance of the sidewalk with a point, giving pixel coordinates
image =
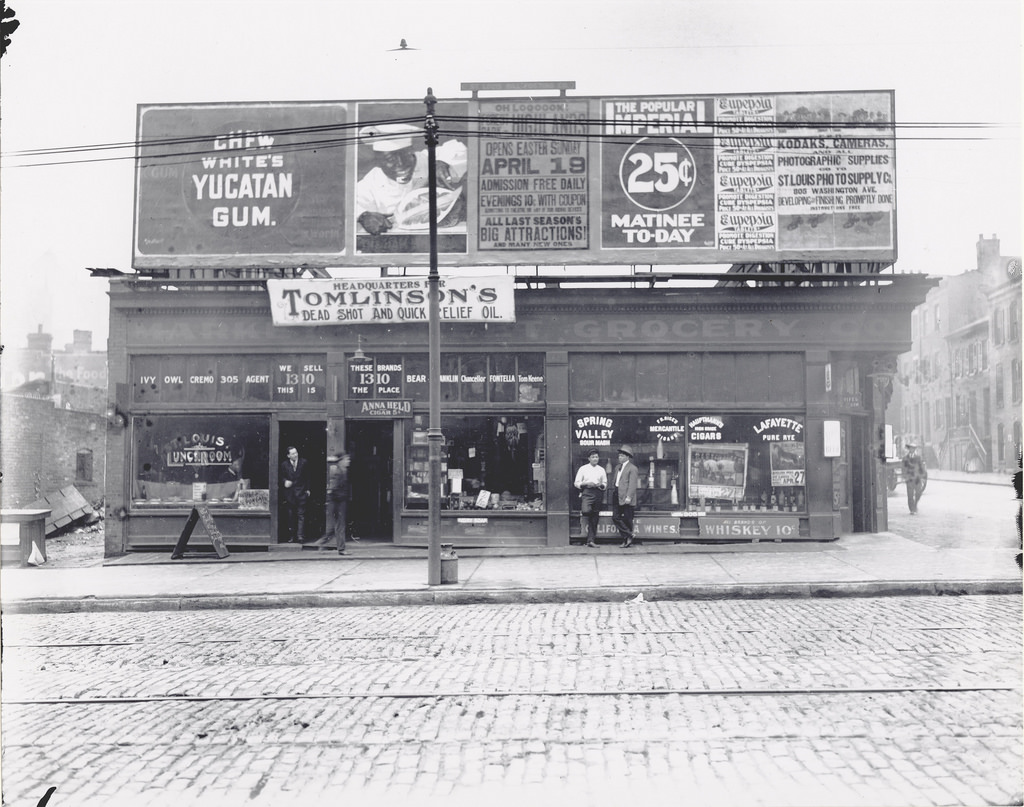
(856, 565)
(985, 478)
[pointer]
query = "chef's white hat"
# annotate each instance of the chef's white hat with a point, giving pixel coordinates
(389, 136)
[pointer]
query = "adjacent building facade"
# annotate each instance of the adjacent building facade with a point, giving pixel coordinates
(959, 387)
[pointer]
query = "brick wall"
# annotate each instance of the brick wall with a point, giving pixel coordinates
(40, 446)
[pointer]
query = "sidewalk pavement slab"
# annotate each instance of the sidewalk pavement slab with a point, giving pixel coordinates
(855, 565)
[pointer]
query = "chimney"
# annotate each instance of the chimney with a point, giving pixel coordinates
(988, 252)
(81, 342)
(39, 341)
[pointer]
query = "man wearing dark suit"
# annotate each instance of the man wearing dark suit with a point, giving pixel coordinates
(293, 478)
(627, 477)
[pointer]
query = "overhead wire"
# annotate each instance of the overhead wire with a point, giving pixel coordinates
(594, 129)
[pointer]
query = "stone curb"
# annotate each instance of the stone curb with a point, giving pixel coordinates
(461, 596)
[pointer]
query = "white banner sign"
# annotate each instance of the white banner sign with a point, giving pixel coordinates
(341, 301)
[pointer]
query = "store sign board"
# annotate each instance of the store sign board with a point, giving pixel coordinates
(226, 379)
(668, 179)
(390, 301)
(752, 527)
(371, 378)
(376, 408)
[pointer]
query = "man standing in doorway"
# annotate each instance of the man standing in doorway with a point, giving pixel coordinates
(338, 494)
(915, 475)
(627, 477)
(294, 481)
(591, 482)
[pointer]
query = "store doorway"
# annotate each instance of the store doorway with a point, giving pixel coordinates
(371, 444)
(310, 440)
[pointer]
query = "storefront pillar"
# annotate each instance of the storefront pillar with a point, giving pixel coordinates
(557, 470)
(824, 517)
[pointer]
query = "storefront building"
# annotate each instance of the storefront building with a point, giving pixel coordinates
(754, 413)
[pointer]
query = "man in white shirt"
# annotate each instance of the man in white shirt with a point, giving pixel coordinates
(591, 482)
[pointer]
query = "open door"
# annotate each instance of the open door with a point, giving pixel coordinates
(371, 445)
(310, 439)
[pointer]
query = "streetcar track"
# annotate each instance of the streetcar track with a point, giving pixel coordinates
(547, 637)
(434, 695)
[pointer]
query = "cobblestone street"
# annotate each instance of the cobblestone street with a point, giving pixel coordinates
(894, 701)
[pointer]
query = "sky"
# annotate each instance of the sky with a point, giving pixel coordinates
(75, 72)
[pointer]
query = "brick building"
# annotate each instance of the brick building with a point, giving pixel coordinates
(53, 419)
(958, 390)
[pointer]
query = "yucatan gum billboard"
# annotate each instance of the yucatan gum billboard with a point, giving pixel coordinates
(686, 179)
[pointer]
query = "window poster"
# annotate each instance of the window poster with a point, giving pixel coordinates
(787, 463)
(717, 472)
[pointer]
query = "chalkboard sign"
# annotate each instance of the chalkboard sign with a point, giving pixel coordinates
(200, 511)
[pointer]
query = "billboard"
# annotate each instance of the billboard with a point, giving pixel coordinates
(671, 179)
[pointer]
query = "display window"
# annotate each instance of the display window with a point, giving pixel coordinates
(701, 461)
(490, 462)
(745, 462)
(222, 460)
(656, 440)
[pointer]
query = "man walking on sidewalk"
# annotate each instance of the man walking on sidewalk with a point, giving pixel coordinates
(338, 489)
(915, 475)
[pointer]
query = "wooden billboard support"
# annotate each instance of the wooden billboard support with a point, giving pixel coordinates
(200, 511)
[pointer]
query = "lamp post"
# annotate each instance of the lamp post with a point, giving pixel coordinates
(434, 436)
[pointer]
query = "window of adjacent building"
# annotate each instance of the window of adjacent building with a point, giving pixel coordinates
(1015, 380)
(999, 326)
(926, 420)
(83, 465)
(1000, 442)
(1000, 399)
(492, 462)
(938, 318)
(1013, 325)
(937, 414)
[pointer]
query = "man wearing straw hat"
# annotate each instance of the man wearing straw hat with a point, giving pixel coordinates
(624, 496)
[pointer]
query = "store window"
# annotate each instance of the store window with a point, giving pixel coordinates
(465, 378)
(657, 443)
(492, 462)
(221, 459)
(686, 378)
(728, 462)
(228, 379)
(746, 462)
